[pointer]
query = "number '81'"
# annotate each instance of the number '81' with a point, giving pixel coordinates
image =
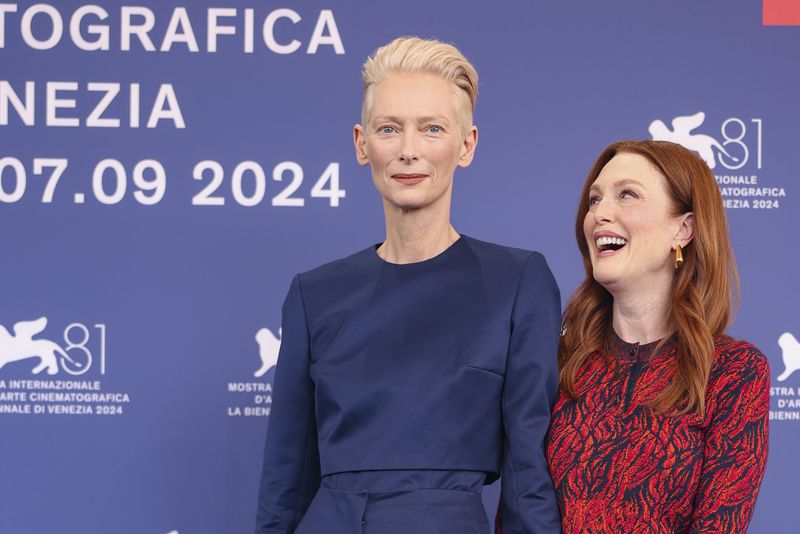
(76, 337)
(733, 132)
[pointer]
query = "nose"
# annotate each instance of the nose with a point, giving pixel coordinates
(409, 152)
(603, 211)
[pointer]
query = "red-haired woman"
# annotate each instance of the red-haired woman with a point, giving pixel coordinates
(661, 421)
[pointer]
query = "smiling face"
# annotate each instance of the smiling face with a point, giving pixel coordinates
(630, 228)
(412, 140)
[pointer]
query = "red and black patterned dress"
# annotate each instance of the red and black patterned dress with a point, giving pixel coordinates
(617, 467)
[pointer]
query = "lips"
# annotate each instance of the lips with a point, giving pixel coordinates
(608, 243)
(409, 178)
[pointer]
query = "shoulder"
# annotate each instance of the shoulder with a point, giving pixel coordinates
(525, 274)
(734, 355)
(739, 367)
(513, 258)
(339, 270)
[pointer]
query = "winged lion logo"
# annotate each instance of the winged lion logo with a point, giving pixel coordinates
(790, 354)
(21, 346)
(681, 133)
(268, 348)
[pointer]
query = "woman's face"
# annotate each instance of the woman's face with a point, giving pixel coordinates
(412, 140)
(630, 229)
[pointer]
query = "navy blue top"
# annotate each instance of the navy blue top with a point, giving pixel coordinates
(448, 363)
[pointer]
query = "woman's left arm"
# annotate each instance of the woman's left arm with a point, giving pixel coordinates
(735, 449)
(528, 501)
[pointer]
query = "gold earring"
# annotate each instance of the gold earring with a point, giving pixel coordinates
(678, 257)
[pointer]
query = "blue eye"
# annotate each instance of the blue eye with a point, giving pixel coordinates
(386, 129)
(435, 128)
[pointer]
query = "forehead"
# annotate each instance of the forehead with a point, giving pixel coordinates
(413, 94)
(628, 167)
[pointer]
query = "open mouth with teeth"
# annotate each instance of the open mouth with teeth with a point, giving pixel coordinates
(610, 244)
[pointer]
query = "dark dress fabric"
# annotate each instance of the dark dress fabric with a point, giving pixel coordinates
(398, 502)
(445, 366)
(618, 467)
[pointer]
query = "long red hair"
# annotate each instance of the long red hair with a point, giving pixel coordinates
(704, 290)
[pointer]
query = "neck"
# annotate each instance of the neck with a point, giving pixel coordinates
(414, 235)
(640, 316)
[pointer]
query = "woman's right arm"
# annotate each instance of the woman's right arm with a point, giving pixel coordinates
(290, 474)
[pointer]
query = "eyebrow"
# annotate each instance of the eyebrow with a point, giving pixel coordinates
(619, 183)
(426, 118)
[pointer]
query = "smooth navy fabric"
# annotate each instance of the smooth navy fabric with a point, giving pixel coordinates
(398, 502)
(446, 364)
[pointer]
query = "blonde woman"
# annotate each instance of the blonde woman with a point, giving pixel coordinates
(415, 371)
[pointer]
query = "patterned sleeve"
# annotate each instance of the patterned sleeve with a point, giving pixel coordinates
(735, 450)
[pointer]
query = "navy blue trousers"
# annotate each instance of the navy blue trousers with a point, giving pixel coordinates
(398, 502)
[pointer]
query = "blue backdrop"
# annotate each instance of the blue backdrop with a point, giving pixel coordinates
(166, 168)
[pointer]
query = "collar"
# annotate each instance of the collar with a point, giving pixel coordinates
(624, 351)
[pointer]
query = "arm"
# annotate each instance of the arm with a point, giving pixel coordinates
(528, 502)
(290, 474)
(735, 449)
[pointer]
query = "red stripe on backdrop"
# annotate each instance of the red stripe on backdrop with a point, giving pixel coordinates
(781, 13)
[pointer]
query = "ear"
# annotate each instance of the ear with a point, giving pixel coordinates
(360, 142)
(685, 232)
(468, 147)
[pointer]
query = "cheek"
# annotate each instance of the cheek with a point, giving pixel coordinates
(380, 152)
(441, 151)
(587, 227)
(636, 222)
(648, 231)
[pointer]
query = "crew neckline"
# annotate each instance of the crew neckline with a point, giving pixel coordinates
(454, 246)
(623, 350)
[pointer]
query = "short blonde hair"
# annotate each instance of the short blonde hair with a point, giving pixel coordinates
(428, 56)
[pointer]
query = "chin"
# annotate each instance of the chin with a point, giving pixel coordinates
(604, 278)
(410, 199)
(410, 205)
